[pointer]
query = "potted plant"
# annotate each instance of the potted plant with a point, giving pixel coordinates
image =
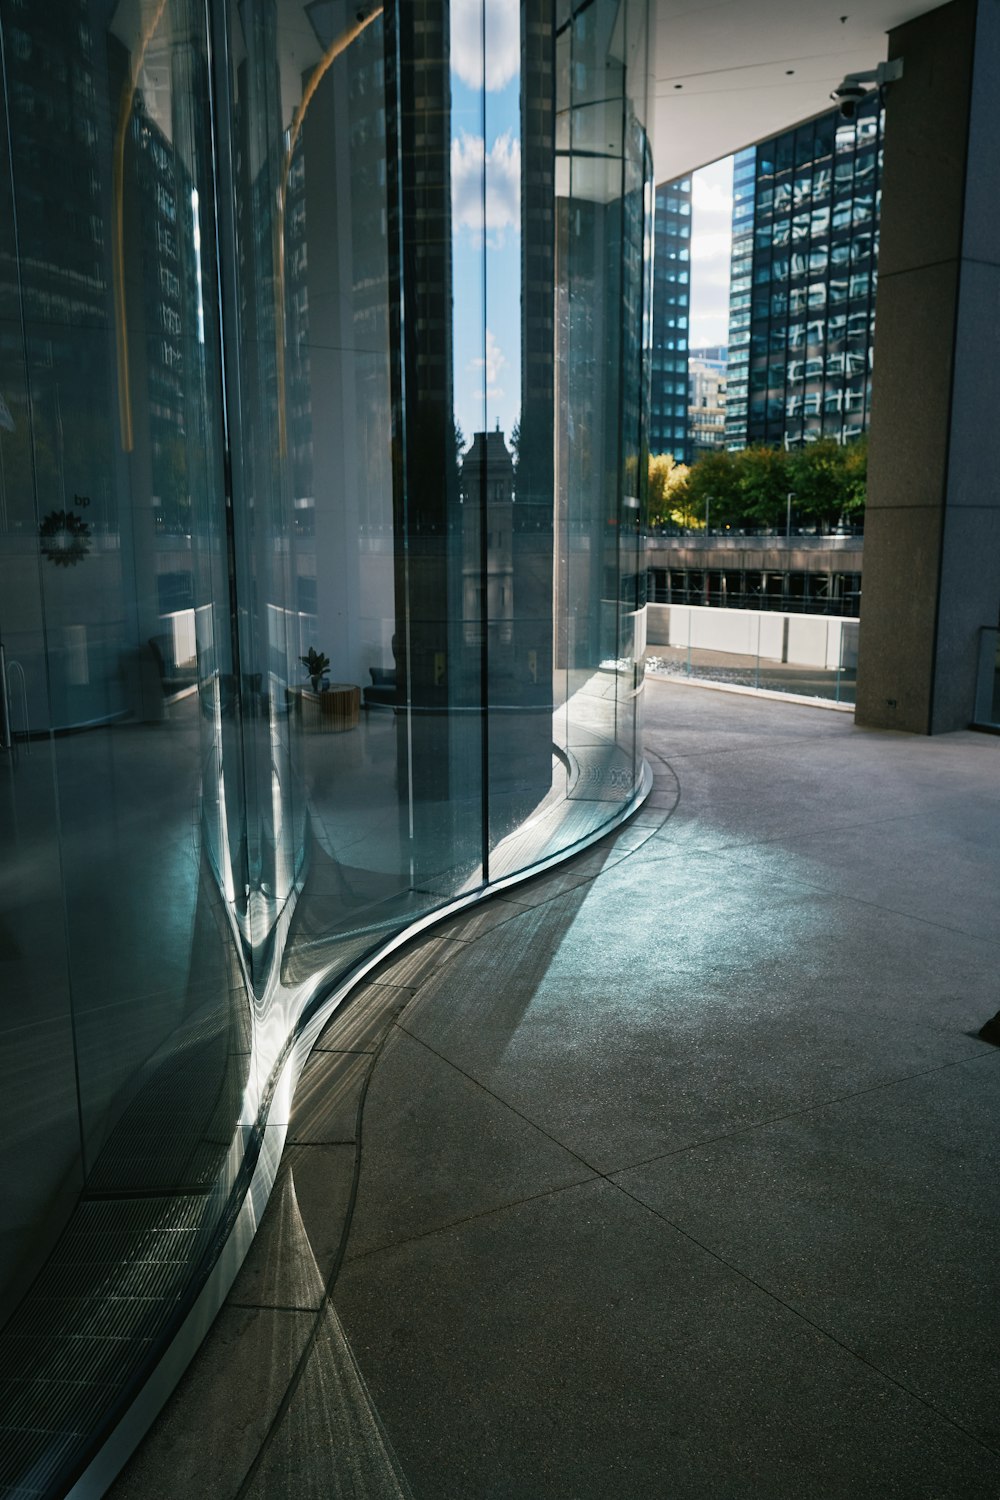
(317, 665)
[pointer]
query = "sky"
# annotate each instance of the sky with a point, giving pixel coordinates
(487, 350)
(486, 260)
(711, 235)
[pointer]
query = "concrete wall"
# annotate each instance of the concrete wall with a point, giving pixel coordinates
(932, 525)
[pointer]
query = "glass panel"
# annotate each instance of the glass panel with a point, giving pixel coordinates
(324, 345)
(600, 231)
(116, 279)
(125, 692)
(517, 517)
(37, 1055)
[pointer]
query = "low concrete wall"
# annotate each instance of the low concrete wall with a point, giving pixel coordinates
(828, 641)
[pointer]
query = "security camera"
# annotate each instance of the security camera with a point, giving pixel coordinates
(857, 86)
(848, 96)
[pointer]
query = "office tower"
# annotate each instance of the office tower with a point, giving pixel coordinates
(802, 289)
(707, 399)
(668, 423)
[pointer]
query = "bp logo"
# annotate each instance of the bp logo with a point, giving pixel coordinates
(65, 538)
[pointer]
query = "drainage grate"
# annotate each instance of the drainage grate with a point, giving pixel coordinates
(74, 1345)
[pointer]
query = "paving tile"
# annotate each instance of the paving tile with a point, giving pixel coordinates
(359, 1024)
(608, 1355)
(887, 864)
(329, 1442)
(437, 1148)
(623, 1048)
(629, 836)
(325, 1106)
(417, 961)
(467, 926)
(208, 1434)
(649, 817)
(758, 926)
(878, 1218)
(814, 921)
(556, 882)
(295, 1249)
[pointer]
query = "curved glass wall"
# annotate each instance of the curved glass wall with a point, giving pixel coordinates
(323, 354)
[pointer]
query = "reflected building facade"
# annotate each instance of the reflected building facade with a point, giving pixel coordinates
(235, 270)
(707, 399)
(668, 412)
(803, 281)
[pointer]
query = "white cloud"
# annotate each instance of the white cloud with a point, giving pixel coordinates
(710, 247)
(491, 364)
(503, 183)
(710, 198)
(711, 241)
(503, 42)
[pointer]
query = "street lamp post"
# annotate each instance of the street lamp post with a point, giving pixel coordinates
(788, 514)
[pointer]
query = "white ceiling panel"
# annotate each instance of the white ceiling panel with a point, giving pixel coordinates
(731, 72)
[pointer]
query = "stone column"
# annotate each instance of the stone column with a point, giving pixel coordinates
(932, 529)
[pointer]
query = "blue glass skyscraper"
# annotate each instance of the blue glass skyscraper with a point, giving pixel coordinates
(803, 278)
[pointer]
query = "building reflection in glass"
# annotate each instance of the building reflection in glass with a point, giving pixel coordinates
(323, 354)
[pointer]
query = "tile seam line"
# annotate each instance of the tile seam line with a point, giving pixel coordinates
(483, 1213)
(766, 742)
(678, 799)
(704, 853)
(796, 1114)
(503, 1102)
(838, 895)
(790, 742)
(775, 838)
(599, 1176)
(298, 1373)
(790, 745)
(813, 888)
(818, 1327)
(893, 911)
(745, 1130)
(825, 889)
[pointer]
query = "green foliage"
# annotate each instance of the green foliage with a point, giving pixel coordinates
(666, 480)
(818, 475)
(856, 477)
(317, 663)
(764, 485)
(748, 490)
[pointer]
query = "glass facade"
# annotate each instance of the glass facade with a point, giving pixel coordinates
(324, 363)
(802, 289)
(668, 414)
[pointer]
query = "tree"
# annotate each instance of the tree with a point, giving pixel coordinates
(666, 481)
(856, 478)
(764, 484)
(829, 480)
(817, 474)
(713, 479)
(749, 489)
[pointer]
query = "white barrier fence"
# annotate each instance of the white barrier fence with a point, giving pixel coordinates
(828, 641)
